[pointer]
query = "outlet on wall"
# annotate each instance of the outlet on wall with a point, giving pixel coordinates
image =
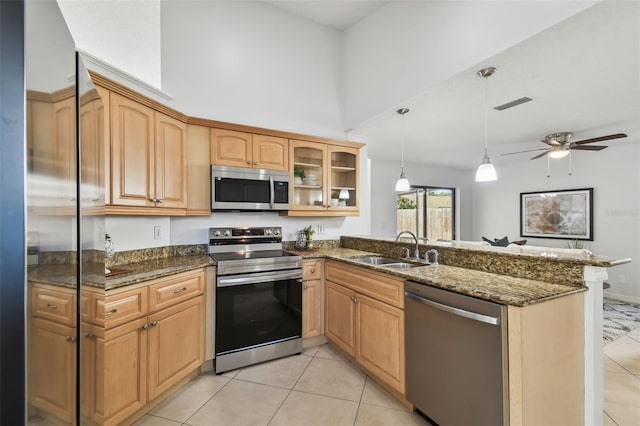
(156, 232)
(321, 228)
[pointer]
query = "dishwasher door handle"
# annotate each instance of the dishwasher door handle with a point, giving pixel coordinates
(455, 311)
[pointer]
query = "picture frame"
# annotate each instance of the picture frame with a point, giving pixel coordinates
(565, 214)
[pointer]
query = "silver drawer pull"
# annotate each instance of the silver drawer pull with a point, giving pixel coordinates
(111, 312)
(154, 323)
(312, 270)
(180, 290)
(52, 306)
(305, 287)
(71, 339)
(145, 327)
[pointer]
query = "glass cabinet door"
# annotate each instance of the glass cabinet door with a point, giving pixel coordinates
(343, 178)
(309, 187)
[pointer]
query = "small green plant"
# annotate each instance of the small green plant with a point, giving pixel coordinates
(577, 244)
(308, 231)
(405, 203)
(299, 171)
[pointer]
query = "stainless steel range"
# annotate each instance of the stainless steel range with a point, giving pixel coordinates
(258, 297)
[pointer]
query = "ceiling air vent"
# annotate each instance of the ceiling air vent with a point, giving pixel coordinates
(512, 103)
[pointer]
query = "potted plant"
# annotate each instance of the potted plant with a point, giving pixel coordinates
(308, 231)
(298, 175)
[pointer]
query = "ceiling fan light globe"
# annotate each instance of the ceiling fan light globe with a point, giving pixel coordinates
(486, 173)
(561, 153)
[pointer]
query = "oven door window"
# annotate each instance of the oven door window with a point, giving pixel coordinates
(230, 190)
(255, 314)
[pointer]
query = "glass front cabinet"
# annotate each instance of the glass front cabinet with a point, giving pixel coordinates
(325, 179)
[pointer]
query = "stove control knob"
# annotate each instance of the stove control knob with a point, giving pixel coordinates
(227, 233)
(276, 232)
(216, 233)
(267, 231)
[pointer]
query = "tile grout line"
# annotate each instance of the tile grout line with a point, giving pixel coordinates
(210, 398)
(291, 390)
(366, 379)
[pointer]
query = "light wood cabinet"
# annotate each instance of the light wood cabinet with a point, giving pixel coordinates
(52, 366)
(93, 135)
(176, 344)
(361, 319)
(198, 171)
(143, 341)
(312, 298)
(148, 156)
(240, 149)
(330, 171)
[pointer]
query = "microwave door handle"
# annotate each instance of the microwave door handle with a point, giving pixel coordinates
(271, 193)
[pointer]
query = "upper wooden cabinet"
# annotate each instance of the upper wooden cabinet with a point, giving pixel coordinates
(148, 156)
(231, 148)
(330, 183)
(94, 132)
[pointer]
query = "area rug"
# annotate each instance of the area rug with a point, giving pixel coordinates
(619, 318)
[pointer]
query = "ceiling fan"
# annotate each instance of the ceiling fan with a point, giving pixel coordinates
(560, 144)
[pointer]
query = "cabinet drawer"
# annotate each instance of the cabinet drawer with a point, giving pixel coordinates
(380, 286)
(180, 287)
(54, 305)
(311, 270)
(122, 307)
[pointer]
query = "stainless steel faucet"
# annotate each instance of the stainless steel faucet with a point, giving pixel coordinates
(416, 255)
(435, 256)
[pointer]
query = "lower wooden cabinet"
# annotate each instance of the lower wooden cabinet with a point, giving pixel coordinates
(312, 298)
(368, 329)
(52, 367)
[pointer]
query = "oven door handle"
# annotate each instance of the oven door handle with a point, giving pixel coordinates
(272, 195)
(264, 277)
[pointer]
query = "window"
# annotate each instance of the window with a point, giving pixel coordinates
(428, 212)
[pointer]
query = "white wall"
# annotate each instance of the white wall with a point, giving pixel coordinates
(137, 232)
(126, 34)
(406, 47)
(251, 63)
(615, 176)
(384, 175)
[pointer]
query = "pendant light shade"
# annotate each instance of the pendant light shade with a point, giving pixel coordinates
(486, 172)
(402, 184)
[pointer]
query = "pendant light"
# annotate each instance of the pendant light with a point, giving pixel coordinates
(486, 172)
(403, 183)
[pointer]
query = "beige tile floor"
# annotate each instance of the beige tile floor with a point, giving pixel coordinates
(622, 381)
(316, 388)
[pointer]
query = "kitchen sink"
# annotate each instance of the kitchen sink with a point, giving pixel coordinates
(387, 262)
(375, 260)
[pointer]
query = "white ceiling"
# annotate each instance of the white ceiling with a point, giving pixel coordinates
(583, 75)
(338, 14)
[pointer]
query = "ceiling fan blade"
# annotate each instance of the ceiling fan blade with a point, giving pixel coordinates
(542, 154)
(528, 150)
(600, 139)
(589, 148)
(551, 142)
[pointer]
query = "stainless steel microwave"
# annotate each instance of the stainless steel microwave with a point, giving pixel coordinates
(241, 188)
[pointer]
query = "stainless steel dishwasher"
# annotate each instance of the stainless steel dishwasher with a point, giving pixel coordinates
(456, 361)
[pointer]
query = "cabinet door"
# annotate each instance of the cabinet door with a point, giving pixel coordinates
(103, 120)
(170, 159)
(52, 369)
(92, 149)
(230, 148)
(380, 340)
(121, 373)
(308, 193)
(176, 344)
(132, 162)
(270, 152)
(311, 308)
(340, 316)
(198, 171)
(343, 178)
(64, 123)
(87, 369)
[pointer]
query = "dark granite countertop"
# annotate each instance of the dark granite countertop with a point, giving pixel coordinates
(483, 285)
(64, 275)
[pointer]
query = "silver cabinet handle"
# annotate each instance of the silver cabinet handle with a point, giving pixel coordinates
(154, 323)
(153, 200)
(354, 299)
(89, 335)
(52, 306)
(312, 270)
(305, 287)
(145, 327)
(71, 339)
(249, 162)
(111, 312)
(255, 163)
(455, 311)
(159, 200)
(180, 290)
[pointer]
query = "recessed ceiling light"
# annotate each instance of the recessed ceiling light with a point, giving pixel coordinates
(512, 103)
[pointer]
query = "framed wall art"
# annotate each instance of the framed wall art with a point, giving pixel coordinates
(564, 214)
